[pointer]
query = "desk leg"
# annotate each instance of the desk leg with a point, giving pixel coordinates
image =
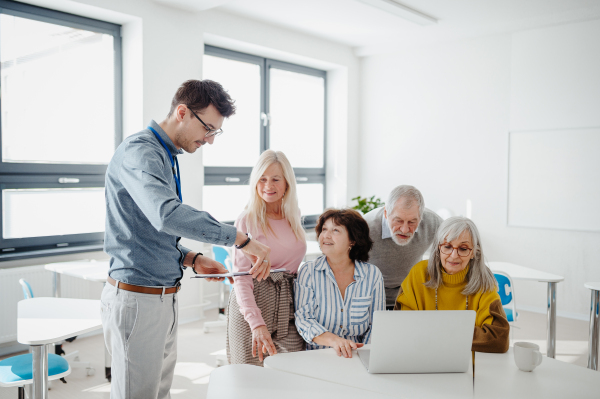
(594, 331)
(107, 362)
(551, 345)
(40, 371)
(107, 358)
(56, 285)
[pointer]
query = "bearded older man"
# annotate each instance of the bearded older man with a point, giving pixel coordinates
(401, 232)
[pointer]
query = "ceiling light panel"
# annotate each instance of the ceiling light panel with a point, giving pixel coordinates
(402, 11)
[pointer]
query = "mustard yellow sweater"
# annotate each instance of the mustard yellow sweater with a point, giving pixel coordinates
(491, 332)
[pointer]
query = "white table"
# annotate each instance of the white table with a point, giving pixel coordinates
(594, 325)
(251, 382)
(326, 365)
(497, 376)
(524, 273)
(88, 270)
(42, 321)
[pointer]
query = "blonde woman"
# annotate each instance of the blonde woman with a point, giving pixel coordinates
(260, 319)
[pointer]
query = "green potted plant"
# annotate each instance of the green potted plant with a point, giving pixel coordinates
(365, 205)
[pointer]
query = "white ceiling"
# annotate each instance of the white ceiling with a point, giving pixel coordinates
(370, 30)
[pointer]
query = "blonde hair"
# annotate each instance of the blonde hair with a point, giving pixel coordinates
(256, 209)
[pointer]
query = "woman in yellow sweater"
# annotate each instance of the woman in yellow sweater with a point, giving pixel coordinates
(455, 277)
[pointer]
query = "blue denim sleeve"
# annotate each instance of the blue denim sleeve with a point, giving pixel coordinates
(149, 183)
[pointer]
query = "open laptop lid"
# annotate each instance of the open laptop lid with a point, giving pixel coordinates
(436, 341)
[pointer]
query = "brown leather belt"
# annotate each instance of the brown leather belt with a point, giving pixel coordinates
(142, 290)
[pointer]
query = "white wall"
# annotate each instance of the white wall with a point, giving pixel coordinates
(164, 46)
(438, 118)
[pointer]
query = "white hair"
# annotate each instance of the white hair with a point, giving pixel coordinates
(409, 194)
(479, 277)
(256, 209)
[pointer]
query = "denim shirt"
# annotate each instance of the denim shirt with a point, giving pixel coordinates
(145, 218)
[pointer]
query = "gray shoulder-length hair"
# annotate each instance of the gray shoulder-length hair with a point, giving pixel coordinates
(479, 277)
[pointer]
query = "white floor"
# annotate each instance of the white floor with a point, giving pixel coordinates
(197, 357)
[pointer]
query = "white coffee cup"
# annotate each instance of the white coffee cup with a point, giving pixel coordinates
(527, 356)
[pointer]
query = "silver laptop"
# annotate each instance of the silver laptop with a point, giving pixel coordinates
(430, 341)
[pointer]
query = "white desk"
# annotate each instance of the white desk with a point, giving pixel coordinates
(326, 365)
(88, 270)
(252, 382)
(43, 321)
(524, 273)
(497, 376)
(594, 325)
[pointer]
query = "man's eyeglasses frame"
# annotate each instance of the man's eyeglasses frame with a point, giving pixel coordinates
(209, 132)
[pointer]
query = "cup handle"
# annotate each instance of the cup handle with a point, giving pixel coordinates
(538, 358)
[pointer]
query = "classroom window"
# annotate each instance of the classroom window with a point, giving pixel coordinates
(60, 113)
(280, 106)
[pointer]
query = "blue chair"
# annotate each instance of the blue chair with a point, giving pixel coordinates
(507, 295)
(221, 255)
(27, 291)
(17, 371)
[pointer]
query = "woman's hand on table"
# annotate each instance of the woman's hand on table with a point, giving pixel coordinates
(262, 342)
(342, 346)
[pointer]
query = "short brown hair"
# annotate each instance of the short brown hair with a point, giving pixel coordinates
(357, 227)
(199, 94)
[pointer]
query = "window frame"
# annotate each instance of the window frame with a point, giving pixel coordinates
(234, 175)
(15, 175)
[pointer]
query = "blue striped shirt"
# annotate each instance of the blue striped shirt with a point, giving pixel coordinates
(320, 307)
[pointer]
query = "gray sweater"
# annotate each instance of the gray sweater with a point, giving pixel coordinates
(393, 260)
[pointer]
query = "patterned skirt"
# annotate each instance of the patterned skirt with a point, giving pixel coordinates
(275, 299)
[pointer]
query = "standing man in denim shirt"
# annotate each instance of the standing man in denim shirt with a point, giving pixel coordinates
(145, 219)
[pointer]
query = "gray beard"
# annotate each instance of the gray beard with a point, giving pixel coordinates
(401, 243)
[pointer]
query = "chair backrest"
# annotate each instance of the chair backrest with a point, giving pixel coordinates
(505, 287)
(27, 291)
(222, 256)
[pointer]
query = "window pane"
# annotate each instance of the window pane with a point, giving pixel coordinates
(58, 100)
(310, 198)
(51, 212)
(297, 111)
(239, 145)
(225, 203)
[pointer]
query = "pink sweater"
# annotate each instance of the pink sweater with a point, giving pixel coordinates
(286, 253)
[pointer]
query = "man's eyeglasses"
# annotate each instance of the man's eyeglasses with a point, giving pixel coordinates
(463, 252)
(209, 132)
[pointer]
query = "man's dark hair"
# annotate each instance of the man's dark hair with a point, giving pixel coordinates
(357, 227)
(199, 94)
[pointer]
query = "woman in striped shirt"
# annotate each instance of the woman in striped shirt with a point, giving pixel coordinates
(336, 295)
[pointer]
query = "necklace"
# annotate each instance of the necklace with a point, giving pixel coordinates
(436, 308)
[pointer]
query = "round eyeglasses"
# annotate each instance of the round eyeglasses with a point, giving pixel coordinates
(463, 252)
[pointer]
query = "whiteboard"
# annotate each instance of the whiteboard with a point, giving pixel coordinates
(554, 179)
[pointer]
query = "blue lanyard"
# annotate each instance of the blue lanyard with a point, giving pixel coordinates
(173, 163)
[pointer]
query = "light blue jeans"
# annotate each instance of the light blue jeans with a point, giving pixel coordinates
(140, 331)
